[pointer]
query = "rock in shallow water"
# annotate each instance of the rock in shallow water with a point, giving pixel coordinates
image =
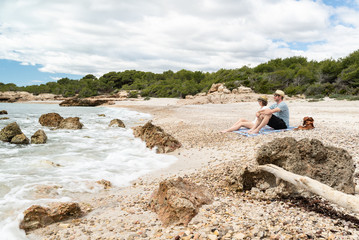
(39, 137)
(10, 131)
(37, 216)
(50, 119)
(154, 136)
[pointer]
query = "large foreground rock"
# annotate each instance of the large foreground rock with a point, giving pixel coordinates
(154, 136)
(9, 132)
(39, 137)
(76, 102)
(329, 165)
(178, 201)
(50, 119)
(71, 123)
(37, 216)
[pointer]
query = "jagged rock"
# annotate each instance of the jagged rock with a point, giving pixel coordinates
(37, 216)
(20, 139)
(117, 123)
(4, 118)
(71, 123)
(76, 102)
(106, 184)
(329, 165)
(101, 115)
(50, 119)
(178, 201)
(10, 131)
(3, 112)
(39, 137)
(154, 136)
(215, 87)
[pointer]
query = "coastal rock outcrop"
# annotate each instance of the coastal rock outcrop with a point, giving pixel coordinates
(155, 136)
(178, 201)
(220, 94)
(50, 119)
(10, 131)
(116, 123)
(21, 96)
(3, 112)
(70, 123)
(76, 102)
(39, 137)
(37, 216)
(309, 157)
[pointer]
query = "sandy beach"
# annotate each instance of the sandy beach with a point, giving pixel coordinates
(122, 213)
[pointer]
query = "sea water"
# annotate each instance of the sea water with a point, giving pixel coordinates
(71, 161)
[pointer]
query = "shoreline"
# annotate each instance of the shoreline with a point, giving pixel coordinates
(122, 213)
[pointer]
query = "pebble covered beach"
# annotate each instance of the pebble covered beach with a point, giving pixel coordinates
(123, 213)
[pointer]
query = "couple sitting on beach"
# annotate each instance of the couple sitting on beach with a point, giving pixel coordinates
(276, 116)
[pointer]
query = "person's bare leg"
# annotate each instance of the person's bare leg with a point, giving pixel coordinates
(261, 125)
(257, 123)
(240, 123)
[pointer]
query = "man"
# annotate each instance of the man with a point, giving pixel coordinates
(277, 116)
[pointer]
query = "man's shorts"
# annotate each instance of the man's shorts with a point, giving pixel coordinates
(276, 123)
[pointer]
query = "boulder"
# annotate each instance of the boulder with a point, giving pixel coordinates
(154, 136)
(76, 102)
(37, 216)
(50, 119)
(116, 123)
(309, 157)
(244, 90)
(215, 87)
(39, 137)
(20, 139)
(178, 201)
(237, 176)
(10, 131)
(70, 123)
(4, 118)
(3, 112)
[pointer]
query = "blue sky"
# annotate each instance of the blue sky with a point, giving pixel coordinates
(38, 45)
(22, 75)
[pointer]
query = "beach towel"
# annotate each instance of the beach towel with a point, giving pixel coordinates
(263, 131)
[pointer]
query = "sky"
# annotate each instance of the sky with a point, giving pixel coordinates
(42, 40)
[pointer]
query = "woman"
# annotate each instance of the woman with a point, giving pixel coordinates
(263, 101)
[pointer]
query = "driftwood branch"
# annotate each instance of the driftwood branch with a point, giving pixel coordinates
(342, 199)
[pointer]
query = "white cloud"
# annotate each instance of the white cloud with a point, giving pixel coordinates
(93, 36)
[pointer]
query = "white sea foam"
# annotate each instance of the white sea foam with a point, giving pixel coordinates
(71, 160)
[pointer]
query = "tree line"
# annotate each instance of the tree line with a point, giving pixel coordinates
(295, 75)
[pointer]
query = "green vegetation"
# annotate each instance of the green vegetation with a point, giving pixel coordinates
(295, 75)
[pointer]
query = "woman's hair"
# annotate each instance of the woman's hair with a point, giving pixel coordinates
(263, 102)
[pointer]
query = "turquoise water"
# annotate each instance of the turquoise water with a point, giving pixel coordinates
(71, 160)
